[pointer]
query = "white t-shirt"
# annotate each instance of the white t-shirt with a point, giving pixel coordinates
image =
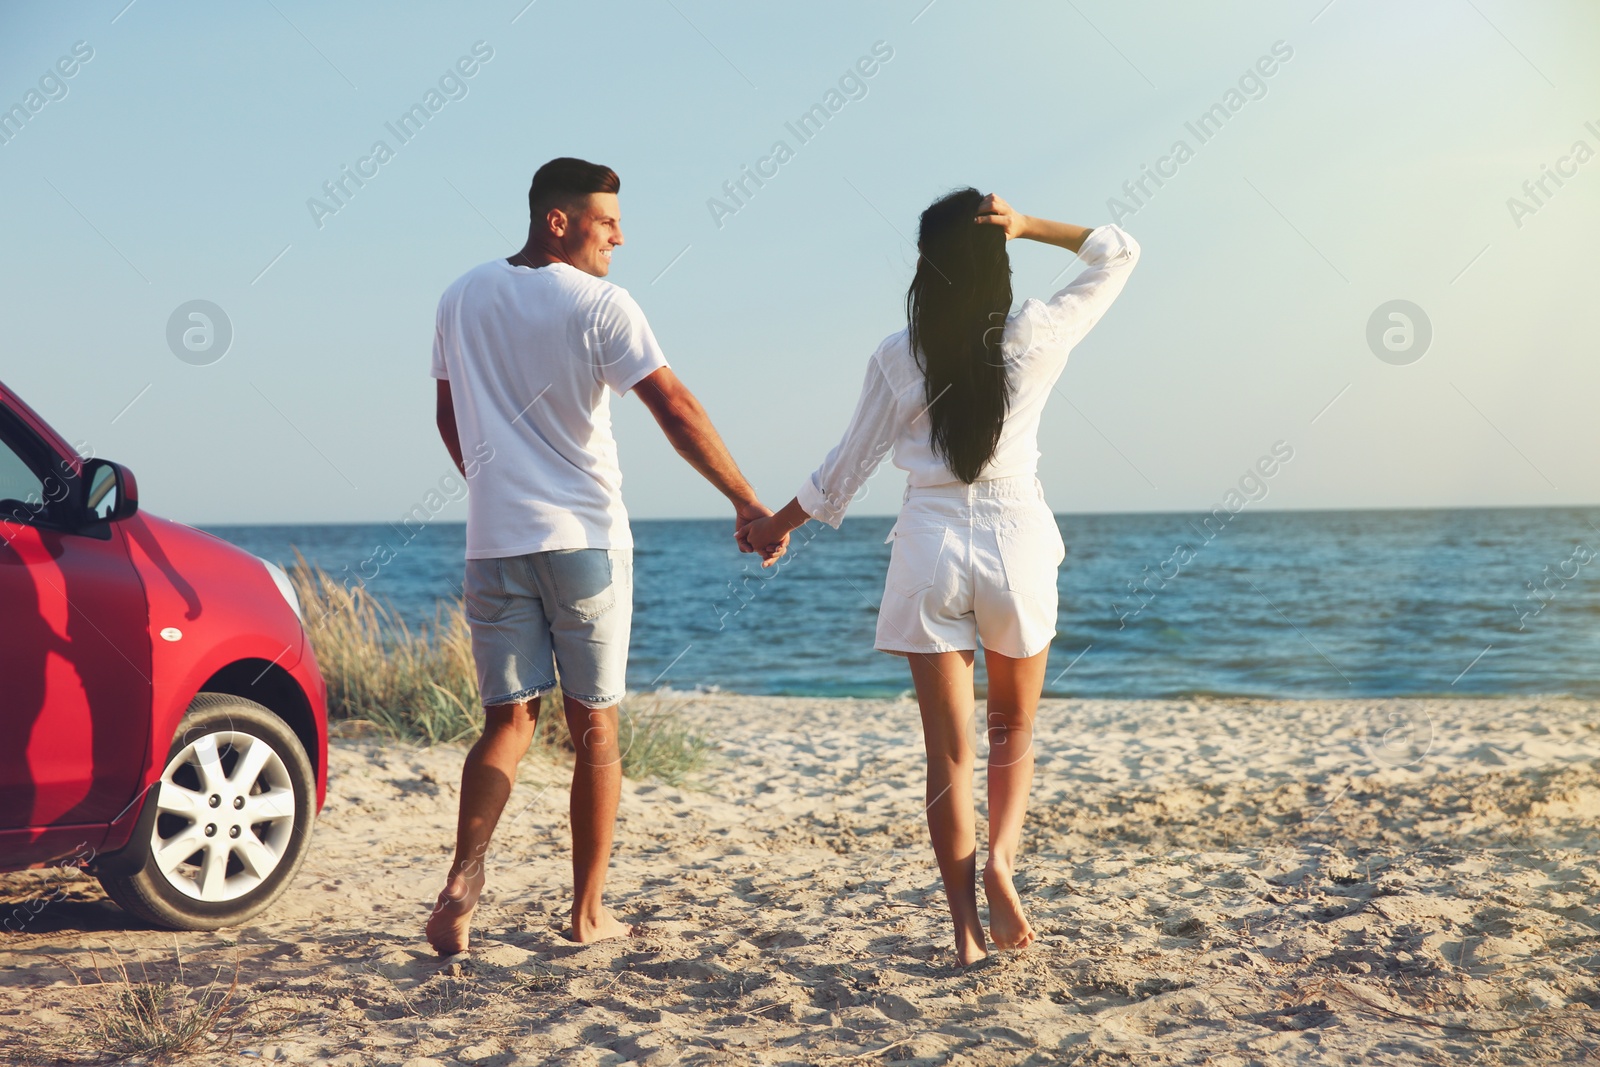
(891, 415)
(529, 354)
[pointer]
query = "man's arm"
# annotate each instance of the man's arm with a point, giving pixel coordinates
(689, 430)
(445, 418)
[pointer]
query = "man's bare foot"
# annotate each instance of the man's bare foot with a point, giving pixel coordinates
(451, 921)
(1007, 924)
(586, 929)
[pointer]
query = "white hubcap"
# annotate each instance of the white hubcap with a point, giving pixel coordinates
(225, 817)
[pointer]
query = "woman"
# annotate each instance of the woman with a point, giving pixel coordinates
(957, 396)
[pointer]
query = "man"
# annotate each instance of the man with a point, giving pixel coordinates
(524, 353)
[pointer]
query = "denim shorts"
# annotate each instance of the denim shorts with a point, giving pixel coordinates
(972, 564)
(549, 617)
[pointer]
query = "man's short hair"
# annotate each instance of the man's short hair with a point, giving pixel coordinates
(561, 181)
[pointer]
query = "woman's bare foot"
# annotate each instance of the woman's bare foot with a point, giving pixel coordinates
(586, 929)
(970, 947)
(451, 922)
(1007, 924)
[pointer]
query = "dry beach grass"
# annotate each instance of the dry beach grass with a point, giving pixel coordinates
(1216, 882)
(419, 684)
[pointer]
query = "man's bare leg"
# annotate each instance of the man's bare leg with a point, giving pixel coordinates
(486, 780)
(1014, 688)
(944, 693)
(596, 791)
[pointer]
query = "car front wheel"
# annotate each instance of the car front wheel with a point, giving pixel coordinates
(233, 820)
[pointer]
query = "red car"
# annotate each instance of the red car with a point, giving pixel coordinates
(162, 720)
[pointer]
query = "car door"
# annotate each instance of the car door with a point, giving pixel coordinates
(75, 658)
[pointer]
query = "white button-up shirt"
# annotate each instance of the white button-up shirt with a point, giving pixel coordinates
(892, 412)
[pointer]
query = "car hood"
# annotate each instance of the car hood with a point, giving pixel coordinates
(202, 585)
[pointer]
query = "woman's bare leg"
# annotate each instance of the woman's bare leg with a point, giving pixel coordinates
(944, 692)
(1014, 688)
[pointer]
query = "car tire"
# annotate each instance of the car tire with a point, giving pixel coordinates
(233, 822)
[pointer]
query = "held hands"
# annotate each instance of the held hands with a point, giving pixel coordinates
(993, 211)
(769, 536)
(756, 531)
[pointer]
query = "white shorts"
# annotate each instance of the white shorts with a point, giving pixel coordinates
(972, 563)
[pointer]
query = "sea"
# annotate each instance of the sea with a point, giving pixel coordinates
(1360, 604)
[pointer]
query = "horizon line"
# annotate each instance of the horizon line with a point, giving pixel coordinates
(1374, 509)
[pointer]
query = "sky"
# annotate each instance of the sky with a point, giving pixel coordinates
(1394, 153)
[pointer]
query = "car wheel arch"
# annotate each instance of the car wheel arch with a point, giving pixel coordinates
(276, 690)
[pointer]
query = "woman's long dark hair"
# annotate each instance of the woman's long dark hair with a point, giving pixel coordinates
(956, 310)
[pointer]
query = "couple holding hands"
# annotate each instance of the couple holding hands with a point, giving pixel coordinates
(526, 352)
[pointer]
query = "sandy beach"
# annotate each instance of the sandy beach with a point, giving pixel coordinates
(1222, 882)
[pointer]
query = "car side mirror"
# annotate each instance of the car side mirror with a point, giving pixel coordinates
(111, 492)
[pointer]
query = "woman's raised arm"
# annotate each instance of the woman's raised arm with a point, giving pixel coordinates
(994, 211)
